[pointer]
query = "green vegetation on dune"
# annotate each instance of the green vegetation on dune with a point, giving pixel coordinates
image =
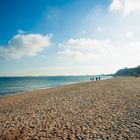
(129, 72)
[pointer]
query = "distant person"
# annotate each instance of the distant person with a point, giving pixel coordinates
(96, 78)
(99, 78)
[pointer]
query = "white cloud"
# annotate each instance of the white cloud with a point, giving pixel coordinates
(129, 34)
(101, 53)
(116, 5)
(22, 45)
(125, 6)
(83, 49)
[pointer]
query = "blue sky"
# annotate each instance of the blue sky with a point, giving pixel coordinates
(68, 37)
(34, 15)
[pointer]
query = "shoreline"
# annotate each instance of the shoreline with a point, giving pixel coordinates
(106, 109)
(40, 89)
(45, 88)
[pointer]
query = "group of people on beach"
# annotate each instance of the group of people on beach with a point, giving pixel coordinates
(96, 78)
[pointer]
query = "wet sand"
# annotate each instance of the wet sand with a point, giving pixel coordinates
(101, 110)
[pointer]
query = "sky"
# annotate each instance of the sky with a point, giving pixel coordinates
(68, 37)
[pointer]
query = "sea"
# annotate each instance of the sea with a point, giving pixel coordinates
(17, 85)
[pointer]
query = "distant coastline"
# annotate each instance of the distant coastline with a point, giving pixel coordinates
(128, 72)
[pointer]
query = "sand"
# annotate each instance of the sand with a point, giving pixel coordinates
(101, 110)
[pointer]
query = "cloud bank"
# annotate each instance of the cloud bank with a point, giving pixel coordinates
(125, 6)
(100, 52)
(83, 48)
(24, 45)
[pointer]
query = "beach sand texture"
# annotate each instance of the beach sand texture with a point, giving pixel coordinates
(101, 110)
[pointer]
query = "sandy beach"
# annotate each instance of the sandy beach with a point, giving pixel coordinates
(101, 110)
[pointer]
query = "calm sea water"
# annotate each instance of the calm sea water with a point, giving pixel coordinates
(14, 85)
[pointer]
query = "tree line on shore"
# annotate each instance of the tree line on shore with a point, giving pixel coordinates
(129, 72)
